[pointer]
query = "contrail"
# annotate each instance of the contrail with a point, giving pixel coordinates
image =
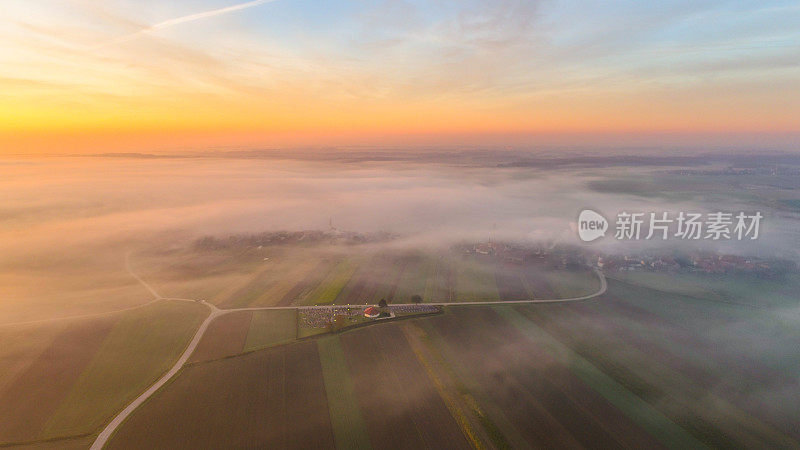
(185, 19)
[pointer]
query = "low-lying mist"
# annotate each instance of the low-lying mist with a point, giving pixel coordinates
(66, 223)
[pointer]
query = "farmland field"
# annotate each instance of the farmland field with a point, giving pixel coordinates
(22, 345)
(645, 370)
(400, 404)
(35, 394)
(68, 293)
(330, 287)
(475, 280)
(309, 275)
(522, 385)
(657, 361)
(414, 279)
(368, 283)
(269, 328)
(349, 427)
(377, 278)
(190, 273)
(225, 336)
(90, 368)
(746, 290)
(303, 286)
(271, 398)
(284, 281)
(659, 347)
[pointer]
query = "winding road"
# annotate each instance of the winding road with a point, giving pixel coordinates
(104, 435)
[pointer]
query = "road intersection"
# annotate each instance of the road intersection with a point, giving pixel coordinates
(216, 312)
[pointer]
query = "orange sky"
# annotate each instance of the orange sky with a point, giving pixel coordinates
(78, 77)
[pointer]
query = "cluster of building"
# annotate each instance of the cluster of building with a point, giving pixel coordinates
(700, 263)
(562, 257)
(765, 170)
(346, 316)
(315, 317)
(325, 317)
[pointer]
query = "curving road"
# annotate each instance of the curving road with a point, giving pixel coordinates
(104, 435)
(116, 421)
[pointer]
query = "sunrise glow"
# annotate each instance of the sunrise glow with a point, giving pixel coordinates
(77, 75)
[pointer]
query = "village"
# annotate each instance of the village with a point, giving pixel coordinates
(565, 257)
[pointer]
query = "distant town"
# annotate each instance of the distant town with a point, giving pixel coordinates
(573, 257)
(549, 255)
(765, 170)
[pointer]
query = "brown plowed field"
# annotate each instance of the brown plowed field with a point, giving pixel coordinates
(542, 399)
(509, 282)
(398, 401)
(28, 402)
(273, 398)
(308, 283)
(225, 337)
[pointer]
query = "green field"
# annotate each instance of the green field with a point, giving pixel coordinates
(748, 290)
(663, 358)
(331, 286)
(268, 328)
(636, 367)
(475, 280)
(139, 349)
(414, 279)
(21, 346)
(571, 284)
(188, 273)
(494, 422)
(632, 405)
(670, 349)
(349, 429)
(360, 276)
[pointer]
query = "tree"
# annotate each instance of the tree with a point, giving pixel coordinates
(416, 298)
(382, 303)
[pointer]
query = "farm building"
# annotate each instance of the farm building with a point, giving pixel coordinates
(372, 312)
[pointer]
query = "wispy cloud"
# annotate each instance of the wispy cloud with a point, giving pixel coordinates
(385, 69)
(184, 19)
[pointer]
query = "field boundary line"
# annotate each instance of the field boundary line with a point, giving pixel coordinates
(340, 392)
(109, 429)
(645, 415)
(448, 398)
(107, 432)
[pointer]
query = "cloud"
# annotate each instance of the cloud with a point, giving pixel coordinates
(185, 19)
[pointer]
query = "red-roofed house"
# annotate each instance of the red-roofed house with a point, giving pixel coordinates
(371, 312)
